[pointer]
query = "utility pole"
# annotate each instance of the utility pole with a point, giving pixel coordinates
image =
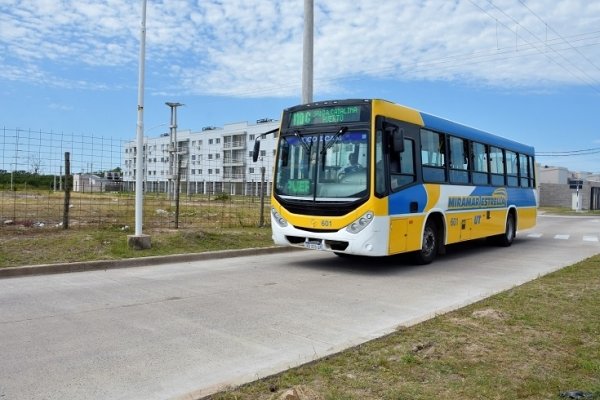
(307, 59)
(140, 241)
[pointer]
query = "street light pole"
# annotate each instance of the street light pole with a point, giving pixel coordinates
(307, 59)
(140, 241)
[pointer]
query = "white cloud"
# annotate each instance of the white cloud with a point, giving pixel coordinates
(254, 47)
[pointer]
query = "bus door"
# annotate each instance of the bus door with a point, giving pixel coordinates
(394, 172)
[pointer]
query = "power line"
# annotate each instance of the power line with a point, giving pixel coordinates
(593, 83)
(570, 153)
(559, 35)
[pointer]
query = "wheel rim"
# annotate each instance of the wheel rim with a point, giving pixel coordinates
(510, 228)
(428, 241)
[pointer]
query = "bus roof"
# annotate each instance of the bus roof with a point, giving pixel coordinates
(432, 122)
(466, 132)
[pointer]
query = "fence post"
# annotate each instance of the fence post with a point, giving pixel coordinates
(262, 197)
(67, 190)
(177, 186)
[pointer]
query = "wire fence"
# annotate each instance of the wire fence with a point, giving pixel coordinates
(34, 181)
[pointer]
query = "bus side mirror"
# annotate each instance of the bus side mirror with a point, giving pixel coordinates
(256, 150)
(398, 140)
(397, 137)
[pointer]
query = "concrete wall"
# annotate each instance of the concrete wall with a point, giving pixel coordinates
(547, 174)
(561, 195)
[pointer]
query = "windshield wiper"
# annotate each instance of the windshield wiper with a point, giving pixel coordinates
(299, 136)
(329, 144)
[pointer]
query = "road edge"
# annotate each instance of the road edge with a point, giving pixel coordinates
(81, 266)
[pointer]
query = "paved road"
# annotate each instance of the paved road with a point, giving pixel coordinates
(184, 330)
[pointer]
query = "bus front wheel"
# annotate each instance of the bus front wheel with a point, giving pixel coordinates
(429, 246)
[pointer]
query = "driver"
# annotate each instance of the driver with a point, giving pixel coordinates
(353, 164)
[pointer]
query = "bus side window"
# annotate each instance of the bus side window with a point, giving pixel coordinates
(433, 156)
(512, 178)
(524, 171)
(458, 160)
(479, 163)
(497, 166)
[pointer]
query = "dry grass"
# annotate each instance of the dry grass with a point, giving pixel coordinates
(102, 210)
(31, 226)
(32, 246)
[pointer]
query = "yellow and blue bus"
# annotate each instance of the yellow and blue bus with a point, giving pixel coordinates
(374, 178)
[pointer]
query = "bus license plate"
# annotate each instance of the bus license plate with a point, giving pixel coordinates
(313, 245)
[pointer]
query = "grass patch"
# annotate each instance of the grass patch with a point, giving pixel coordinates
(568, 211)
(38, 246)
(532, 342)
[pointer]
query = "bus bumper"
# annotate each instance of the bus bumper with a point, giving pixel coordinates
(371, 241)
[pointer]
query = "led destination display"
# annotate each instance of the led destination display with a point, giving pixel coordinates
(326, 115)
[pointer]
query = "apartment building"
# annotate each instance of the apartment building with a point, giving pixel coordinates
(213, 160)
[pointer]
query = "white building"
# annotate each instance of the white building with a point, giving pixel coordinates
(214, 160)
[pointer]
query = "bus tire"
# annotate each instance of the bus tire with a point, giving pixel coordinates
(510, 231)
(429, 244)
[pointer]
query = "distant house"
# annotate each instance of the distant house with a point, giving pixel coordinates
(88, 183)
(559, 187)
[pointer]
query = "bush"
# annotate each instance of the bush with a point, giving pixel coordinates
(222, 196)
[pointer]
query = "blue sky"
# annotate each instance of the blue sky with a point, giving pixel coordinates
(527, 70)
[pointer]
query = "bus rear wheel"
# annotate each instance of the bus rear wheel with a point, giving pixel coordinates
(429, 246)
(510, 232)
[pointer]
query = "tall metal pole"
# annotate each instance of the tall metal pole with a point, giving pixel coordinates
(139, 177)
(174, 150)
(140, 241)
(307, 59)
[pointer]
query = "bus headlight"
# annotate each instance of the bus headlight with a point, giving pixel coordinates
(361, 223)
(280, 220)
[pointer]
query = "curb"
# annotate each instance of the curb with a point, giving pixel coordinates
(80, 266)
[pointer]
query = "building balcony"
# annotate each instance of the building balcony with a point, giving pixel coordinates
(235, 145)
(233, 161)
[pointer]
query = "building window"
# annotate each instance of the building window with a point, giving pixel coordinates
(210, 141)
(251, 137)
(250, 170)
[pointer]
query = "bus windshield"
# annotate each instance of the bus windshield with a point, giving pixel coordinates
(322, 166)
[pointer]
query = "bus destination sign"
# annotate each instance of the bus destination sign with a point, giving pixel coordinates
(326, 115)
